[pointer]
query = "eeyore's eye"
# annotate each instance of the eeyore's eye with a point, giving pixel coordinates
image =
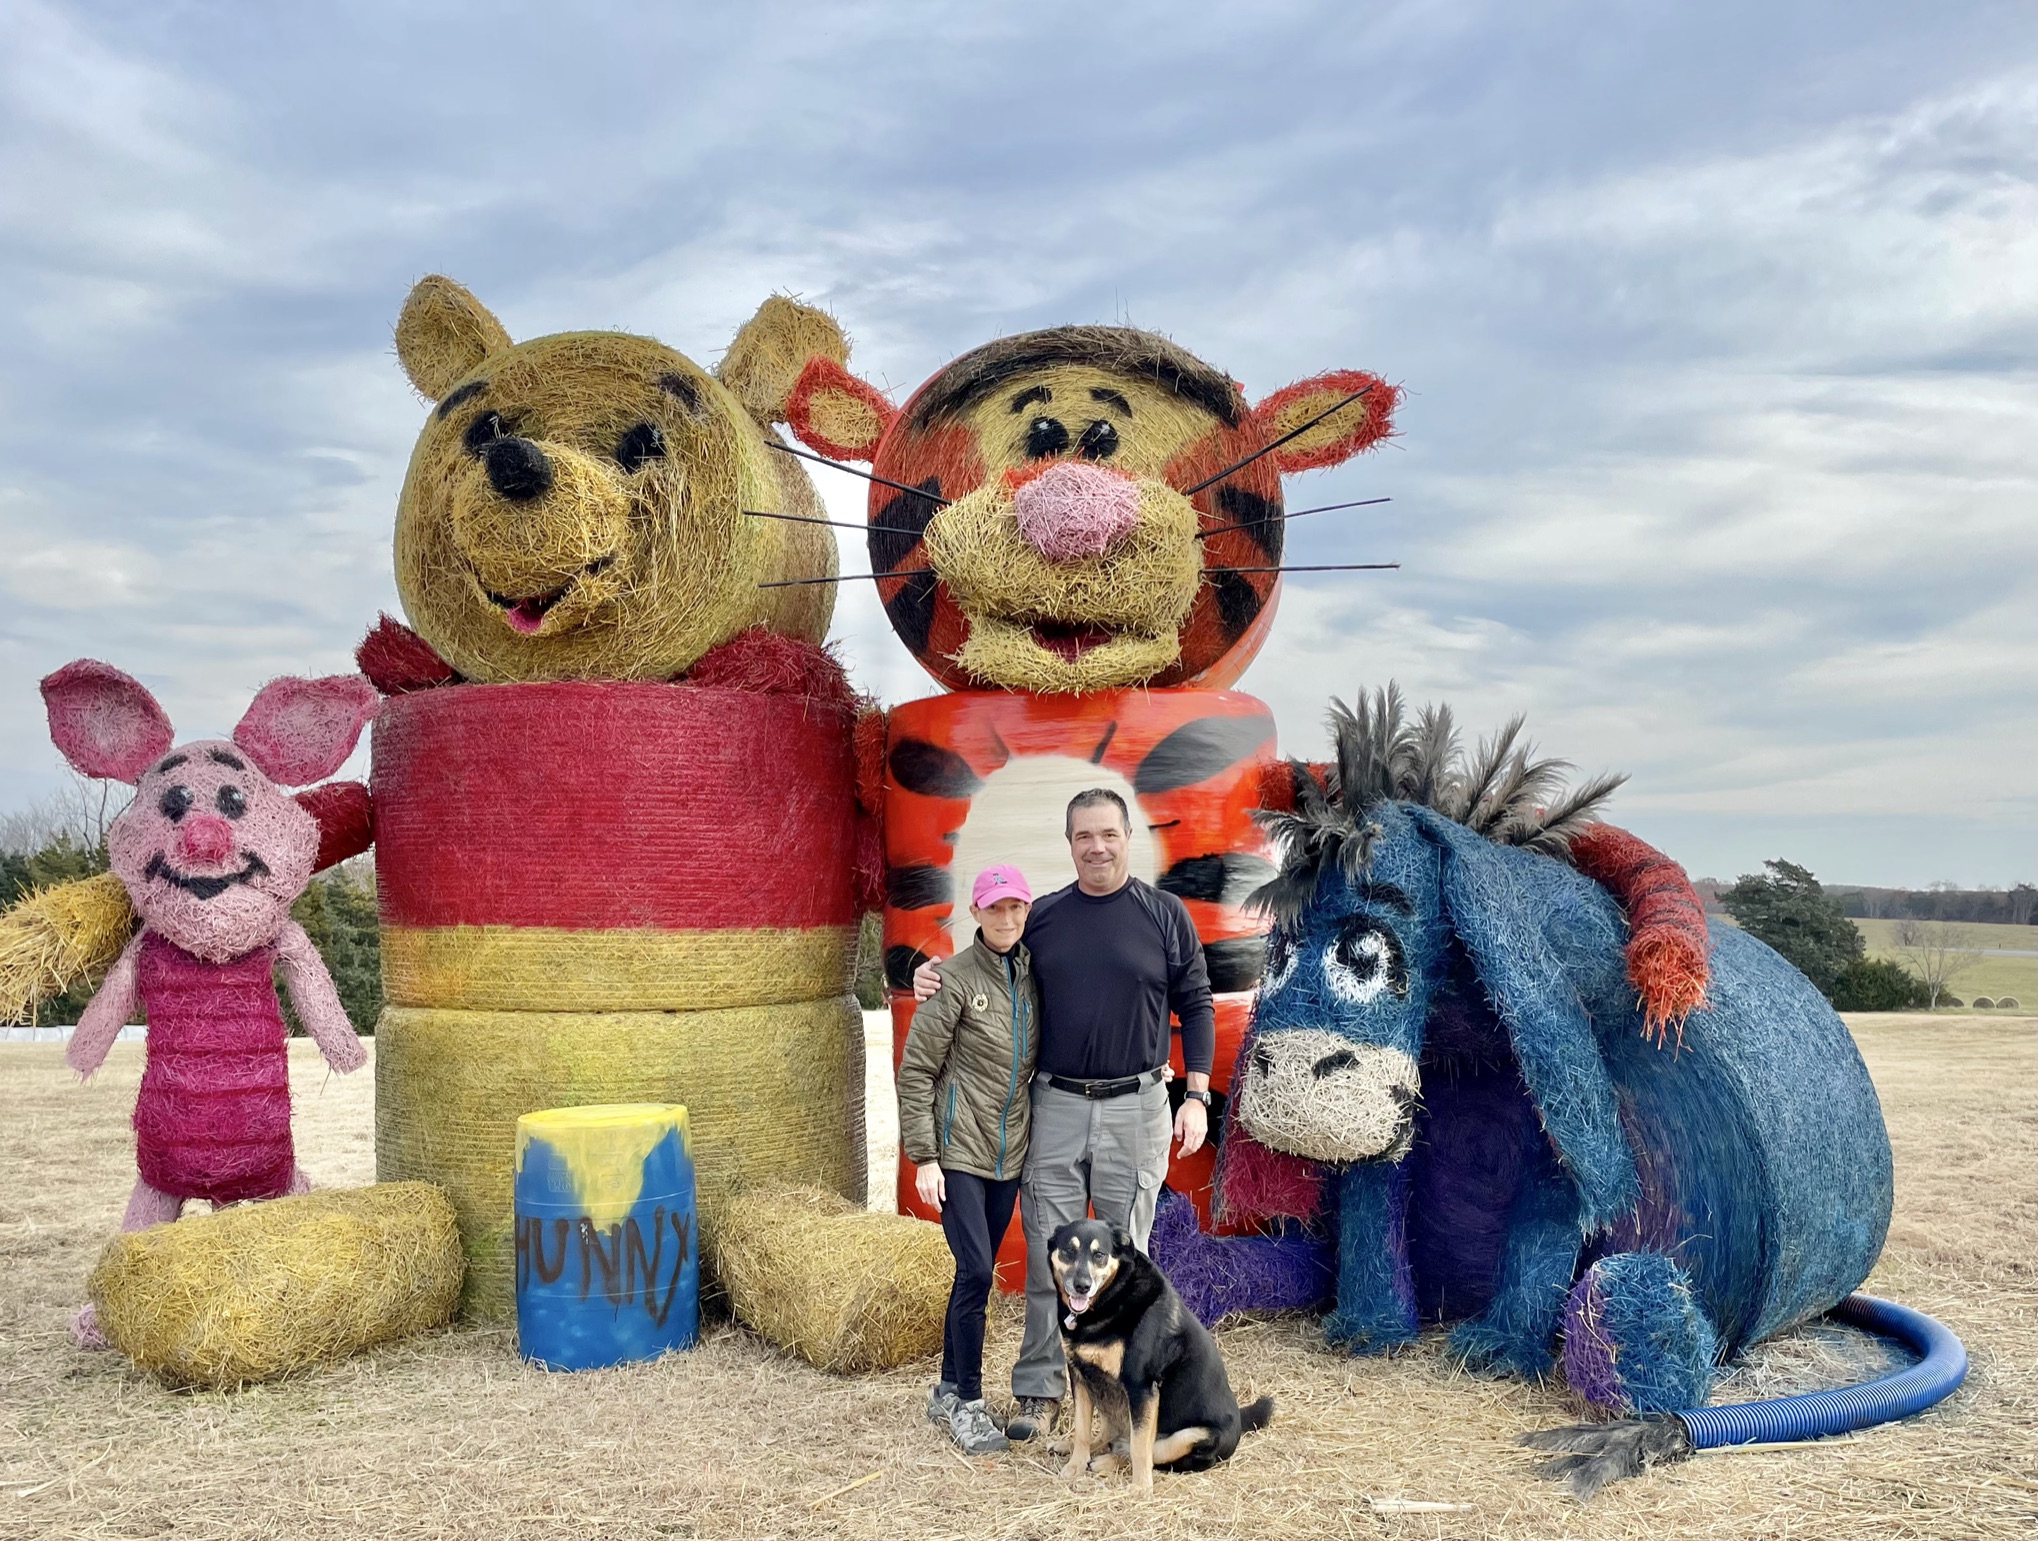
(1364, 963)
(484, 431)
(175, 802)
(230, 801)
(645, 441)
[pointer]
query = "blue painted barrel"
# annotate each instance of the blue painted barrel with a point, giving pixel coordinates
(607, 1248)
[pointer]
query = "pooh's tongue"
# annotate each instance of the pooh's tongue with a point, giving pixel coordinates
(527, 615)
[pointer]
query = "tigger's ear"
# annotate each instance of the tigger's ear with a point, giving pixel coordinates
(832, 411)
(1357, 426)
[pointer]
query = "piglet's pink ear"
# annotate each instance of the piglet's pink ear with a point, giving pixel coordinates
(105, 722)
(300, 731)
(1356, 426)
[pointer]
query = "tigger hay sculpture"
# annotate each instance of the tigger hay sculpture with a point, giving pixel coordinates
(1446, 1028)
(1091, 555)
(613, 794)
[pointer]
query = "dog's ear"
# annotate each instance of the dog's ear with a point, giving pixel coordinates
(1121, 1240)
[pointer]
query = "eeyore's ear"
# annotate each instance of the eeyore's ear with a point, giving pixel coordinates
(104, 721)
(1498, 912)
(300, 731)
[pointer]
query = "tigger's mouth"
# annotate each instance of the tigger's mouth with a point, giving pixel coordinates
(1067, 640)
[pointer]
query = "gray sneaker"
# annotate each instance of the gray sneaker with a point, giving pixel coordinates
(942, 1402)
(1035, 1419)
(971, 1428)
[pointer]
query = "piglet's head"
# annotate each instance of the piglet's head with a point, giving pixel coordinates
(212, 850)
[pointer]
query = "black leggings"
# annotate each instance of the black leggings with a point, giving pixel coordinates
(974, 1218)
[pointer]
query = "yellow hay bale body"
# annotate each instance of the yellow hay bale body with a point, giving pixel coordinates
(774, 1094)
(58, 936)
(258, 1290)
(847, 1290)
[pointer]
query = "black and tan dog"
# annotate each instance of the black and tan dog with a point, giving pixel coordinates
(1139, 1361)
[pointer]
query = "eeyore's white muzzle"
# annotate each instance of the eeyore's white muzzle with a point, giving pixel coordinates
(1316, 1094)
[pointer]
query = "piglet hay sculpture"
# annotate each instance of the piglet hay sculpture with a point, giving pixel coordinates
(255, 1291)
(879, 1301)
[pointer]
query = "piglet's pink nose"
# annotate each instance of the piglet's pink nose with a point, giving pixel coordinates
(204, 837)
(1071, 511)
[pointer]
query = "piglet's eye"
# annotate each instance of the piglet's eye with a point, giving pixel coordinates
(230, 801)
(175, 802)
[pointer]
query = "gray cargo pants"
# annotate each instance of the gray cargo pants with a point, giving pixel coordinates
(1108, 1155)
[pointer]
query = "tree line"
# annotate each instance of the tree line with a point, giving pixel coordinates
(2015, 906)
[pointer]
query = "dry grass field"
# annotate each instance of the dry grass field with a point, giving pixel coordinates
(453, 1436)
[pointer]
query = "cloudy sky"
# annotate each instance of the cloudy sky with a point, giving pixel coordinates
(1717, 324)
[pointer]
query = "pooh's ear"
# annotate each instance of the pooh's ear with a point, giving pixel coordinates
(832, 411)
(1361, 425)
(765, 359)
(443, 335)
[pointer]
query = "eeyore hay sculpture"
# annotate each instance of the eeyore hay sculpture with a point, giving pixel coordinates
(1446, 1029)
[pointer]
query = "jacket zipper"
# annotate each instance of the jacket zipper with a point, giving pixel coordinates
(1012, 1081)
(948, 1122)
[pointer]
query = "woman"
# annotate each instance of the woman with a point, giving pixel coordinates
(965, 1082)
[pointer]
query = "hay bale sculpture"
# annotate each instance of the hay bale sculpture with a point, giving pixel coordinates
(210, 854)
(254, 1291)
(1079, 532)
(1506, 1143)
(614, 811)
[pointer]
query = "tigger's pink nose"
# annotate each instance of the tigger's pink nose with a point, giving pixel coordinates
(204, 838)
(1071, 511)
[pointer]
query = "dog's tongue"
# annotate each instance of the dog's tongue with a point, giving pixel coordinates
(1078, 1304)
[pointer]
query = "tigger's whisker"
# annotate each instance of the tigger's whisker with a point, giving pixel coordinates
(833, 524)
(872, 476)
(1300, 513)
(903, 572)
(1270, 447)
(1316, 567)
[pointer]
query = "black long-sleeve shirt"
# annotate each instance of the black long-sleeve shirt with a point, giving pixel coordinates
(1106, 987)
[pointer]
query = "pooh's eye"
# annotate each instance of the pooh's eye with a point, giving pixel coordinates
(484, 431)
(230, 801)
(175, 802)
(1099, 441)
(646, 441)
(1044, 437)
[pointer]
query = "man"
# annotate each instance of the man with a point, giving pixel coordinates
(1111, 957)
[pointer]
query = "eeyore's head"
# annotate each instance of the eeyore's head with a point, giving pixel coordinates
(1381, 873)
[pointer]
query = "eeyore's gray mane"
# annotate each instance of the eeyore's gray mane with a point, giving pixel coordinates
(1383, 755)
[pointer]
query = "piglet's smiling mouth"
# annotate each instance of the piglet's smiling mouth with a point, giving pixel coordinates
(205, 888)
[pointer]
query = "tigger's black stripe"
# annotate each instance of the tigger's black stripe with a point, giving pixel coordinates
(900, 961)
(916, 887)
(1198, 750)
(1236, 962)
(1261, 517)
(1224, 877)
(932, 771)
(1238, 602)
(900, 524)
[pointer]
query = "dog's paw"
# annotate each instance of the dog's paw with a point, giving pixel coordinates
(1109, 1462)
(1060, 1444)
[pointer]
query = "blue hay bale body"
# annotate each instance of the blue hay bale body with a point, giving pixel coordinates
(1552, 1133)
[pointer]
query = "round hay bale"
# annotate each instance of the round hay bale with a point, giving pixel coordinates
(847, 1290)
(1983, 1003)
(774, 1094)
(254, 1291)
(2007, 1001)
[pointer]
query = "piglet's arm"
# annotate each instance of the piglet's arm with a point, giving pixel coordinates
(105, 1014)
(317, 1002)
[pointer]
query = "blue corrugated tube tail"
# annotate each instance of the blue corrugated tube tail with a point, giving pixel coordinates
(1940, 1370)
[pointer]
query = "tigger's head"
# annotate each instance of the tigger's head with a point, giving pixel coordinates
(1068, 554)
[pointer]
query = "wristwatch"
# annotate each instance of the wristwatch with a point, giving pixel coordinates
(1202, 1097)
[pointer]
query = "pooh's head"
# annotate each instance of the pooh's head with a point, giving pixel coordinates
(1097, 507)
(575, 505)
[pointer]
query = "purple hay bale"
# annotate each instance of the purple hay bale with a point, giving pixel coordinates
(1292, 1270)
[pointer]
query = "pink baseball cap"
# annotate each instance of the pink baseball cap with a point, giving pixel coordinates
(995, 883)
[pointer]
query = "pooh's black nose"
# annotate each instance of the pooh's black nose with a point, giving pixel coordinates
(517, 468)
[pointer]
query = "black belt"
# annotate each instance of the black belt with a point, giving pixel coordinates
(1098, 1091)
